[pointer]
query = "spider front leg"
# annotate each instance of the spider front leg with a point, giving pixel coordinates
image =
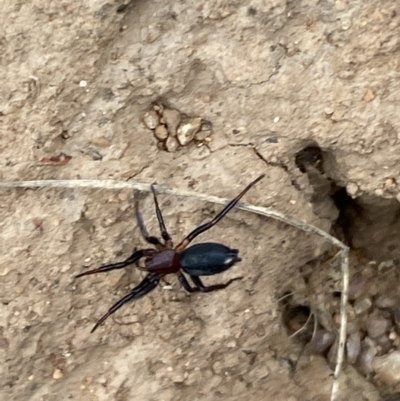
(204, 227)
(143, 230)
(200, 287)
(114, 266)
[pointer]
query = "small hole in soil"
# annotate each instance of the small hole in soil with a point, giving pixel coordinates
(310, 156)
(296, 319)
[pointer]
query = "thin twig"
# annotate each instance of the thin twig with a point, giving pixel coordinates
(302, 327)
(263, 211)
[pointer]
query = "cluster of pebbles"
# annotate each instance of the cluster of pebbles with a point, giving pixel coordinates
(173, 129)
(373, 324)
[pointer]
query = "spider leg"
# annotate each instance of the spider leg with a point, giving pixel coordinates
(164, 233)
(114, 266)
(185, 284)
(200, 287)
(147, 285)
(204, 227)
(199, 284)
(143, 231)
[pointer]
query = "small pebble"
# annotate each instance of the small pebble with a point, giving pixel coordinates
(384, 302)
(366, 357)
(123, 196)
(369, 95)
(362, 305)
(172, 144)
(101, 141)
(178, 378)
(353, 347)
(57, 374)
(188, 129)
(217, 367)
(172, 119)
(352, 189)
(358, 285)
(202, 135)
(352, 327)
(161, 132)
(390, 183)
(83, 84)
(387, 368)
(321, 341)
(346, 23)
(151, 119)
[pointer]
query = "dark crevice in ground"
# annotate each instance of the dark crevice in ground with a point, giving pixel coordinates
(366, 223)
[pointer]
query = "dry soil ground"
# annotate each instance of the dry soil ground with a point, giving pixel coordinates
(271, 76)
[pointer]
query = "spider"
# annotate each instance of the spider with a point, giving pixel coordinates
(204, 259)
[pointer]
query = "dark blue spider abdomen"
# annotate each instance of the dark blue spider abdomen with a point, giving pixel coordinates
(207, 259)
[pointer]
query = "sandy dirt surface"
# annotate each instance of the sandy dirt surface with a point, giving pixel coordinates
(272, 77)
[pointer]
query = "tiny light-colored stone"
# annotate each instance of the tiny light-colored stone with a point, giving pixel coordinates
(101, 141)
(172, 144)
(329, 111)
(161, 132)
(378, 192)
(188, 129)
(83, 84)
(151, 119)
(390, 183)
(57, 374)
(377, 327)
(387, 368)
(369, 95)
(362, 305)
(217, 367)
(352, 189)
(346, 23)
(123, 196)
